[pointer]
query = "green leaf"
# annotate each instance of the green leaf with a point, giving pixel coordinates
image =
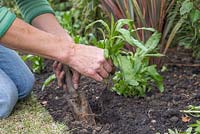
(145, 28)
(137, 64)
(48, 81)
(122, 22)
(195, 16)
(156, 76)
(102, 32)
(77, 39)
(106, 53)
(155, 55)
(127, 70)
(127, 36)
(100, 44)
(116, 49)
(189, 130)
(27, 57)
(187, 6)
(153, 41)
(171, 131)
(197, 129)
(101, 22)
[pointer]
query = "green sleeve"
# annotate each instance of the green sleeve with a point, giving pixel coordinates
(6, 20)
(33, 8)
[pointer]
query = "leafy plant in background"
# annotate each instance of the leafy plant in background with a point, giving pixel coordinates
(134, 75)
(158, 14)
(37, 62)
(66, 20)
(12, 5)
(189, 34)
(82, 13)
(60, 5)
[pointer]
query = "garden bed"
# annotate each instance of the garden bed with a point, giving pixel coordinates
(116, 114)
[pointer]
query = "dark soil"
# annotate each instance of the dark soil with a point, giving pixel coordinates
(116, 114)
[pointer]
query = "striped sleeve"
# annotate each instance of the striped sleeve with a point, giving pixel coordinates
(33, 8)
(6, 20)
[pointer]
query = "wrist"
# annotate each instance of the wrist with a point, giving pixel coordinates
(66, 36)
(67, 50)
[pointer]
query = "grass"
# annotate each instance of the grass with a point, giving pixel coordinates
(29, 117)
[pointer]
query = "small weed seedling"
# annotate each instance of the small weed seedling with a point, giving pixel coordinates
(192, 110)
(37, 62)
(134, 75)
(193, 128)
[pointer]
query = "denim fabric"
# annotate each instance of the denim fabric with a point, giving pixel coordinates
(16, 80)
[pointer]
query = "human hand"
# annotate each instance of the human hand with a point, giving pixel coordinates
(60, 75)
(89, 61)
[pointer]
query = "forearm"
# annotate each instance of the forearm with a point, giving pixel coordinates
(26, 38)
(48, 22)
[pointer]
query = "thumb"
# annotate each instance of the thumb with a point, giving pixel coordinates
(75, 79)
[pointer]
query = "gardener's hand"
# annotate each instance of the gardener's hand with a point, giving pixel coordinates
(89, 61)
(60, 75)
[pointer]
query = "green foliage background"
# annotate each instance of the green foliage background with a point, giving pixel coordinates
(189, 34)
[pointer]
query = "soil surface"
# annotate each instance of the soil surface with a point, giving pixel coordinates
(116, 114)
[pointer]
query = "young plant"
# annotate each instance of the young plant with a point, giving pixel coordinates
(188, 131)
(48, 81)
(134, 75)
(189, 34)
(37, 62)
(193, 128)
(192, 110)
(196, 127)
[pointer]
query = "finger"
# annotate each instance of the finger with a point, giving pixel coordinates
(60, 79)
(107, 66)
(113, 70)
(97, 77)
(55, 64)
(110, 62)
(57, 73)
(75, 79)
(103, 72)
(65, 87)
(56, 68)
(59, 68)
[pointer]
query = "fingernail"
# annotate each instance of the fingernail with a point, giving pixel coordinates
(76, 86)
(100, 79)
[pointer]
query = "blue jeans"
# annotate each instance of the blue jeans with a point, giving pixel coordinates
(16, 80)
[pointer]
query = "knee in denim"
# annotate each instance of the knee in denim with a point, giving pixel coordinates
(7, 103)
(26, 87)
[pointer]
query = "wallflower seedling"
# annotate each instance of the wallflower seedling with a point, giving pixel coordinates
(134, 75)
